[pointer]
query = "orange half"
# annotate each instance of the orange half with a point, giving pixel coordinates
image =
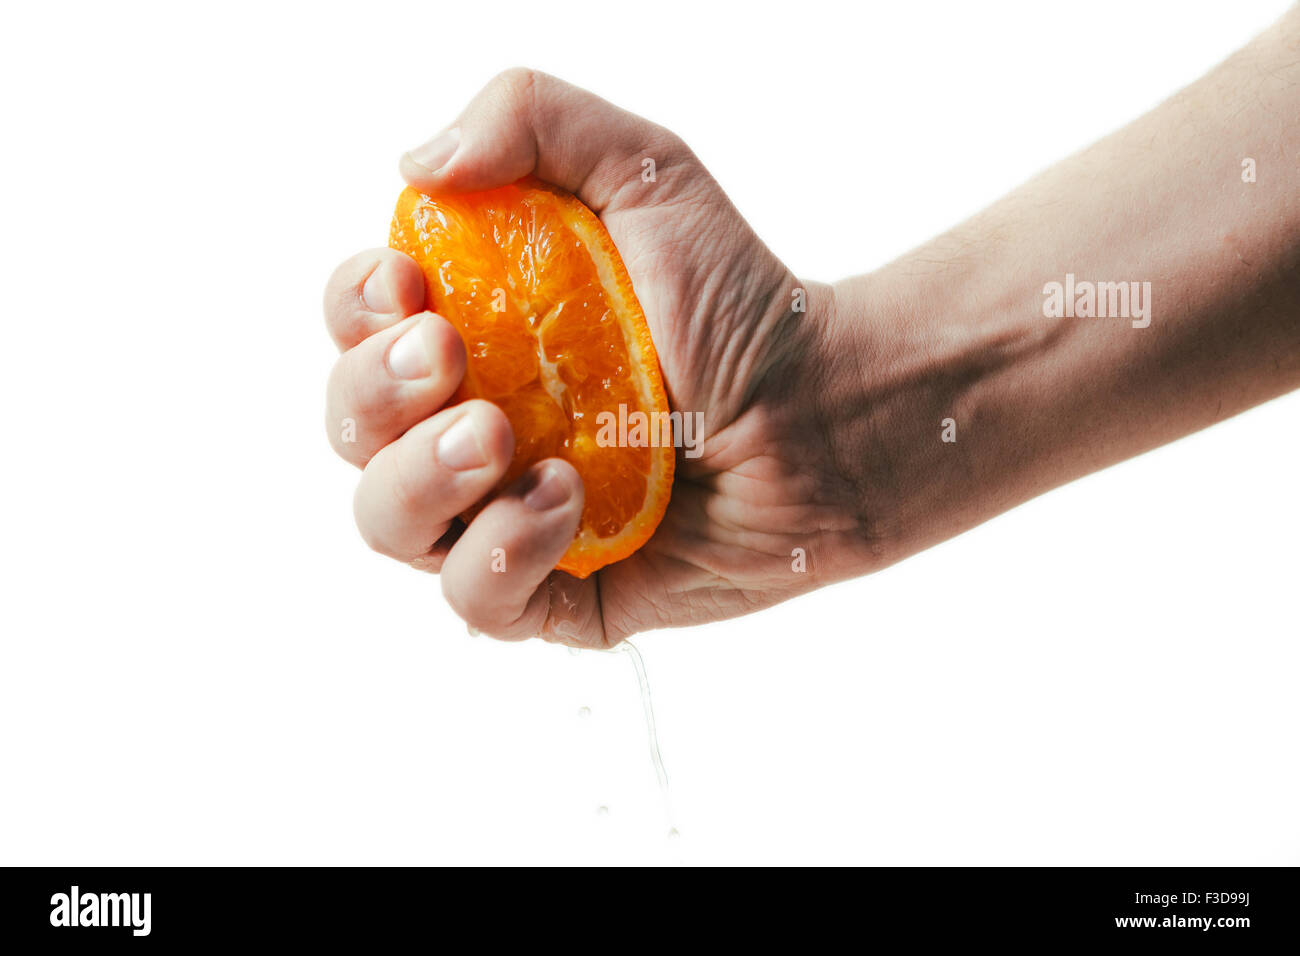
(557, 339)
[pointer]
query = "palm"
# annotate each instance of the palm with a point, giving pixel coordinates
(719, 307)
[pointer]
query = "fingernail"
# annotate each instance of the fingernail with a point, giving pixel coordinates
(409, 356)
(435, 154)
(459, 448)
(551, 491)
(376, 295)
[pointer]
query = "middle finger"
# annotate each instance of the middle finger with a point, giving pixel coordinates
(391, 381)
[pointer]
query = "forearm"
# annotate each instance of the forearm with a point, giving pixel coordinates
(1037, 400)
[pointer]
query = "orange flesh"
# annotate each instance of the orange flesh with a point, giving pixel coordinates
(555, 337)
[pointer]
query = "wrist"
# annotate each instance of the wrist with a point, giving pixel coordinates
(926, 402)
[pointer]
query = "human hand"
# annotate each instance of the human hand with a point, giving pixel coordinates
(762, 514)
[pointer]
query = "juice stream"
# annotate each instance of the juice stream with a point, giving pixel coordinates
(647, 706)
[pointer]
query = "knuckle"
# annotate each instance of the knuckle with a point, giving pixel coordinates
(531, 93)
(518, 82)
(671, 147)
(478, 613)
(346, 435)
(665, 140)
(369, 533)
(467, 611)
(373, 542)
(363, 396)
(335, 426)
(336, 285)
(408, 482)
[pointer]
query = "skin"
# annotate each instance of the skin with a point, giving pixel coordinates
(823, 426)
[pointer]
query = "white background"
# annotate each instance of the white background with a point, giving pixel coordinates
(201, 662)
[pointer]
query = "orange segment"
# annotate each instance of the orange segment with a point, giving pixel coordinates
(556, 338)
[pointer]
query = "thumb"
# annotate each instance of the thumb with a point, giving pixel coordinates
(528, 122)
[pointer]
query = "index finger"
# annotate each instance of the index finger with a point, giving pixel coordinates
(371, 291)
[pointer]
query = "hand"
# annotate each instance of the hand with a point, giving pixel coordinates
(761, 515)
(827, 450)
